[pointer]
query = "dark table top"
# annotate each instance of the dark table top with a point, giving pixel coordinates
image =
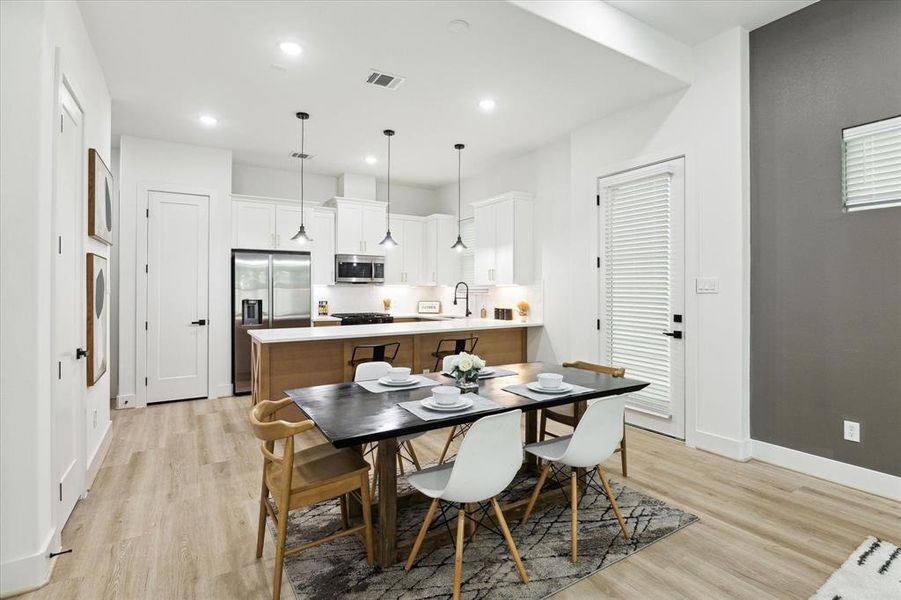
(348, 415)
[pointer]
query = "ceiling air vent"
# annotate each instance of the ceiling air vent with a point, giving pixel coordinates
(391, 82)
(302, 155)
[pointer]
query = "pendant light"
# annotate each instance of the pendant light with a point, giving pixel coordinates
(301, 236)
(459, 246)
(388, 242)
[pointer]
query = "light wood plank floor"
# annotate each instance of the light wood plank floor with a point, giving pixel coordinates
(172, 514)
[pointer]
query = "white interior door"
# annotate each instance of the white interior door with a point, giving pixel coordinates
(68, 419)
(642, 289)
(177, 296)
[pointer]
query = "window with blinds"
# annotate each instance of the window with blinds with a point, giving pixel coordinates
(871, 165)
(636, 280)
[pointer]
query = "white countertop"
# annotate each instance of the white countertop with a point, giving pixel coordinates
(302, 334)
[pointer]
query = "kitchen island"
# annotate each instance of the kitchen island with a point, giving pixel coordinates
(283, 359)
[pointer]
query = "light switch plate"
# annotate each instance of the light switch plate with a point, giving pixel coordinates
(852, 431)
(707, 285)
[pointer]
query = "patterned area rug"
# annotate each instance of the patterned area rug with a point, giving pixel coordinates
(872, 572)
(339, 570)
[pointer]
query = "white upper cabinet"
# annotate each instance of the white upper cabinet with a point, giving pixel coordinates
(323, 246)
(359, 227)
(503, 230)
(440, 264)
(254, 225)
(287, 222)
(403, 263)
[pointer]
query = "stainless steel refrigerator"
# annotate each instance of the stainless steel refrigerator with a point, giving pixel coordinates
(271, 290)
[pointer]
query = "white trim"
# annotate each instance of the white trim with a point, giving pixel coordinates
(717, 444)
(28, 573)
(222, 390)
(97, 460)
(867, 480)
(125, 401)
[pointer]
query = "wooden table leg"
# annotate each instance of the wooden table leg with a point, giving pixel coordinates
(354, 510)
(386, 546)
(579, 409)
(531, 437)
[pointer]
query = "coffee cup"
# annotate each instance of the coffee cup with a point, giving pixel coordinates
(550, 381)
(399, 374)
(446, 395)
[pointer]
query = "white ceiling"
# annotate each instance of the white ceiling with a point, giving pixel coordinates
(166, 63)
(693, 21)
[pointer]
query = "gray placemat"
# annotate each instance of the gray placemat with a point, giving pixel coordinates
(498, 372)
(375, 387)
(479, 404)
(520, 389)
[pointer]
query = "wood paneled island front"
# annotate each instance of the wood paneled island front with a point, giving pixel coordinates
(284, 359)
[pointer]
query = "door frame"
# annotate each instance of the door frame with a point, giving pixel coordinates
(142, 239)
(691, 270)
(61, 82)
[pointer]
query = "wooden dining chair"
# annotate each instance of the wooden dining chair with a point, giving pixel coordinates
(565, 414)
(304, 478)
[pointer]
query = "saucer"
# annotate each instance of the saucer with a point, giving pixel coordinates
(391, 383)
(430, 403)
(536, 387)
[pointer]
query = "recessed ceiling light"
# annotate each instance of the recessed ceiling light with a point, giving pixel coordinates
(208, 120)
(371, 160)
(487, 104)
(458, 26)
(290, 48)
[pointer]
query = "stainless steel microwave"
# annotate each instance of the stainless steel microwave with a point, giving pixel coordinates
(355, 268)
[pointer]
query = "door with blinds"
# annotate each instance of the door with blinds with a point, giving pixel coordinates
(642, 289)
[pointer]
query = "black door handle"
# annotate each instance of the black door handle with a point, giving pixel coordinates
(201, 322)
(673, 334)
(80, 353)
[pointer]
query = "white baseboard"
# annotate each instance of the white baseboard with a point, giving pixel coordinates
(718, 444)
(223, 390)
(97, 460)
(27, 573)
(126, 401)
(867, 480)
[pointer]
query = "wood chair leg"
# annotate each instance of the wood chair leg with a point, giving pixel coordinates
(503, 523)
(542, 431)
(616, 511)
(344, 520)
(622, 454)
(264, 494)
(413, 455)
(422, 533)
(574, 504)
(450, 438)
(367, 518)
(458, 554)
(535, 493)
(280, 551)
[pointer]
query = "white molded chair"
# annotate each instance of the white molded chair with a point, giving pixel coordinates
(487, 462)
(374, 370)
(597, 435)
(457, 430)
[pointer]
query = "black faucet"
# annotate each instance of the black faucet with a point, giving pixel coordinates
(457, 287)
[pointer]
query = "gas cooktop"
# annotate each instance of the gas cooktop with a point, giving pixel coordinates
(363, 318)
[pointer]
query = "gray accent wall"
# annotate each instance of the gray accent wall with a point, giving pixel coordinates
(825, 285)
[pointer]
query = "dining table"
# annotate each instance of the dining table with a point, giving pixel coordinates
(350, 416)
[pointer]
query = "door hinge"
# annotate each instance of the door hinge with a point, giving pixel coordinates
(59, 368)
(599, 325)
(60, 251)
(146, 268)
(598, 199)
(599, 262)
(145, 325)
(147, 212)
(145, 382)
(60, 491)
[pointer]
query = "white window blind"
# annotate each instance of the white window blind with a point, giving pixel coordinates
(637, 250)
(871, 165)
(468, 257)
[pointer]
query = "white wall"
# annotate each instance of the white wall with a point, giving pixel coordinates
(145, 163)
(706, 123)
(252, 180)
(30, 34)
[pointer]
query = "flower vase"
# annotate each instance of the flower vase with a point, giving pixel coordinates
(469, 381)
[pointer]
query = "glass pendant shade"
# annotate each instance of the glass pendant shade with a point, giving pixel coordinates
(388, 241)
(459, 246)
(301, 236)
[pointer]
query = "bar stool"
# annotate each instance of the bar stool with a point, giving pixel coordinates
(452, 347)
(377, 353)
(566, 416)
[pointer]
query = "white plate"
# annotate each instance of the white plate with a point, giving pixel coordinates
(536, 387)
(391, 383)
(486, 372)
(432, 405)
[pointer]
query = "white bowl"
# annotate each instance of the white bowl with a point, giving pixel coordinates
(446, 395)
(399, 373)
(550, 381)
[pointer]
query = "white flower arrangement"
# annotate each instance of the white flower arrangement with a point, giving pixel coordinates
(466, 366)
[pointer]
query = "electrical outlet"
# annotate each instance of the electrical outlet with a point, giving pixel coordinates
(707, 285)
(852, 431)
